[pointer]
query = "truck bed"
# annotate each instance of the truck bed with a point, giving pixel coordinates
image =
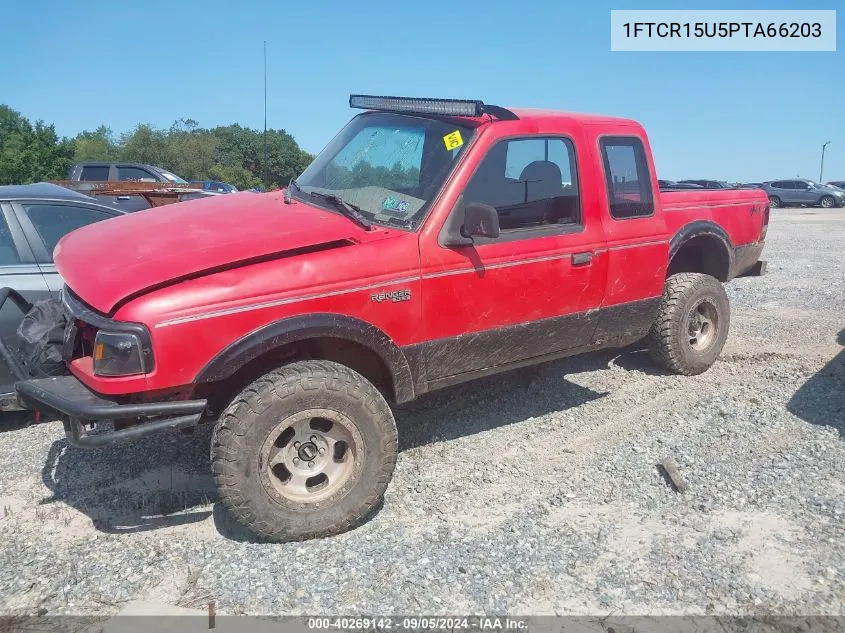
(729, 208)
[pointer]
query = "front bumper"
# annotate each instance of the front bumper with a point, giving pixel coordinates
(78, 406)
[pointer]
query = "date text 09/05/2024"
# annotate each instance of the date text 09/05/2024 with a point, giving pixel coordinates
(722, 29)
(474, 623)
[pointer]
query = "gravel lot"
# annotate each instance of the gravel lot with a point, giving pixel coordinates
(532, 492)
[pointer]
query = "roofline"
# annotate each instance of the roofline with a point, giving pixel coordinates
(118, 162)
(87, 200)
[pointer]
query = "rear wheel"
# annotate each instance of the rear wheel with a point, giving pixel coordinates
(774, 202)
(691, 325)
(827, 202)
(305, 451)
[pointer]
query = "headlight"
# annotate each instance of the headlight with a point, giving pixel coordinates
(117, 354)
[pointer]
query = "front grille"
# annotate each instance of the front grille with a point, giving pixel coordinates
(79, 334)
(78, 339)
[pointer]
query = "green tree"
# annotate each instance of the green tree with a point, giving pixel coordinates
(145, 144)
(230, 153)
(234, 175)
(31, 153)
(190, 151)
(237, 145)
(97, 145)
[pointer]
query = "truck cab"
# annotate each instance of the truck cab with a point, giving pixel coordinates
(430, 243)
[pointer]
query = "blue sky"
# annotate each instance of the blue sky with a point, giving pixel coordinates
(733, 116)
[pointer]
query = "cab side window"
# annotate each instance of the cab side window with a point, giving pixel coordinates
(54, 221)
(94, 173)
(629, 190)
(530, 182)
(134, 173)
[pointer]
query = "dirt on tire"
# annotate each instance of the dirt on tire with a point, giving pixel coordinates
(668, 339)
(254, 414)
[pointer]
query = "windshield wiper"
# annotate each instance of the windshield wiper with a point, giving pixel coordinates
(291, 185)
(405, 224)
(351, 211)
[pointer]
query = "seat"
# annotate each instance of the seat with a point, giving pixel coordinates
(544, 180)
(545, 187)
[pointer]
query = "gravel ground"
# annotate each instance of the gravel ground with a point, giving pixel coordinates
(527, 493)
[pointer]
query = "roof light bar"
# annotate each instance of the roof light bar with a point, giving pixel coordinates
(445, 107)
(442, 107)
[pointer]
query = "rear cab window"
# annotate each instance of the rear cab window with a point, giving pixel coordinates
(630, 192)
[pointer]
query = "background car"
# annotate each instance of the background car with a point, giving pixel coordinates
(749, 185)
(196, 195)
(837, 183)
(801, 191)
(709, 184)
(103, 171)
(671, 184)
(33, 219)
(123, 172)
(215, 185)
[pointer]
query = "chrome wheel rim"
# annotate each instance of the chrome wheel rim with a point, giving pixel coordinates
(827, 203)
(702, 325)
(311, 456)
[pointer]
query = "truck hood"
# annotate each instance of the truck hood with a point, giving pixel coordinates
(110, 261)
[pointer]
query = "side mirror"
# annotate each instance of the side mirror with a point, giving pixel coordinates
(467, 221)
(480, 220)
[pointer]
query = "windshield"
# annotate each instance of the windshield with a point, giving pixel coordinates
(173, 177)
(388, 166)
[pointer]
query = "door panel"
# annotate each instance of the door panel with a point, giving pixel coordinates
(533, 290)
(52, 278)
(500, 303)
(791, 194)
(800, 193)
(28, 234)
(27, 280)
(19, 272)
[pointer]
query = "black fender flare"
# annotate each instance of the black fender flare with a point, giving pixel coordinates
(312, 326)
(700, 228)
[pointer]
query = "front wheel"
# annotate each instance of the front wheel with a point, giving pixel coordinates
(305, 451)
(691, 325)
(827, 202)
(774, 202)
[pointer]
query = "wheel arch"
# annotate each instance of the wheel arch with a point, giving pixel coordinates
(314, 330)
(701, 247)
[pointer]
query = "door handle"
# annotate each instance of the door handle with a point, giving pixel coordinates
(581, 259)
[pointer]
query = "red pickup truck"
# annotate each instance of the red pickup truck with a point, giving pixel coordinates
(430, 243)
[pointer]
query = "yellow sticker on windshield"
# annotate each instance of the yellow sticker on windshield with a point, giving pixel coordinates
(453, 140)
